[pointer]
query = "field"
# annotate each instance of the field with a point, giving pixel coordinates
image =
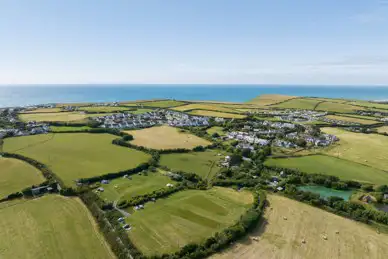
(165, 137)
(204, 164)
(217, 114)
(367, 149)
(383, 129)
(351, 119)
(124, 189)
(337, 107)
(50, 227)
(68, 128)
(15, 175)
(369, 104)
(55, 116)
(163, 104)
(140, 111)
(103, 109)
(282, 239)
(76, 155)
(185, 217)
(269, 99)
(43, 110)
(215, 129)
(205, 106)
(343, 169)
(298, 103)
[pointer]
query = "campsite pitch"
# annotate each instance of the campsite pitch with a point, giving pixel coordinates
(50, 227)
(185, 217)
(166, 137)
(283, 239)
(76, 155)
(15, 175)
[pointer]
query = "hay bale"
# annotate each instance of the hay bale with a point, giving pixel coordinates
(324, 237)
(337, 232)
(303, 241)
(285, 218)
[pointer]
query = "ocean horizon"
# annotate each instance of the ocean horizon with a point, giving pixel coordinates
(22, 95)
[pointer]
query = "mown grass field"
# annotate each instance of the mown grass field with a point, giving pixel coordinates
(369, 104)
(269, 99)
(217, 114)
(298, 103)
(76, 155)
(338, 107)
(125, 189)
(367, 149)
(56, 116)
(205, 106)
(140, 111)
(344, 169)
(204, 164)
(282, 239)
(166, 137)
(15, 175)
(351, 119)
(50, 227)
(163, 103)
(215, 129)
(43, 110)
(104, 109)
(68, 128)
(185, 217)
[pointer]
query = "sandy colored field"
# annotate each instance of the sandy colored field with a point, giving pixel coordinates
(205, 106)
(298, 103)
(166, 137)
(50, 227)
(43, 110)
(217, 114)
(59, 116)
(76, 155)
(15, 175)
(163, 104)
(269, 99)
(367, 149)
(351, 119)
(104, 109)
(185, 217)
(383, 129)
(282, 239)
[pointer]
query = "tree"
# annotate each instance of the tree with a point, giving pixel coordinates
(215, 135)
(235, 159)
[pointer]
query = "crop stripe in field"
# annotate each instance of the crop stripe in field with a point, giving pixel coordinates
(34, 144)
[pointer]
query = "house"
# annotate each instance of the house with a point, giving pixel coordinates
(385, 196)
(39, 190)
(100, 189)
(169, 185)
(279, 189)
(104, 181)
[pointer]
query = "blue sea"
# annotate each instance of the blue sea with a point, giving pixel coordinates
(40, 94)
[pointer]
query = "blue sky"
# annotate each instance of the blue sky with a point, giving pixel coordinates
(194, 41)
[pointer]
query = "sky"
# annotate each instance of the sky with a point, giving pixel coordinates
(333, 42)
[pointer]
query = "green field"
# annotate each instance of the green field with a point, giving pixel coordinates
(337, 107)
(163, 104)
(43, 110)
(204, 164)
(369, 104)
(217, 114)
(345, 170)
(185, 217)
(50, 227)
(68, 128)
(125, 189)
(270, 99)
(140, 111)
(15, 175)
(76, 155)
(298, 103)
(215, 129)
(104, 109)
(351, 119)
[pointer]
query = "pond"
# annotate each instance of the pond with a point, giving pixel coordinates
(326, 192)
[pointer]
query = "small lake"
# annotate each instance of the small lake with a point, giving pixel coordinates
(326, 192)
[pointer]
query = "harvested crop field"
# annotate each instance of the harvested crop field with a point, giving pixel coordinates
(351, 119)
(76, 155)
(166, 137)
(337, 107)
(163, 103)
(15, 175)
(205, 106)
(344, 169)
(56, 227)
(217, 114)
(55, 116)
(282, 239)
(186, 217)
(298, 103)
(204, 164)
(43, 110)
(269, 99)
(104, 109)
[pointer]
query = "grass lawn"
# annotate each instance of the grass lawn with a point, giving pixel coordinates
(163, 104)
(204, 164)
(217, 114)
(76, 155)
(337, 107)
(351, 119)
(205, 106)
(216, 129)
(55, 116)
(269, 99)
(68, 128)
(282, 239)
(166, 137)
(367, 149)
(15, 175)
(344, 169)
(50, 227)
(186, 217)
(298, 103)
(125, 189)
(104, 109)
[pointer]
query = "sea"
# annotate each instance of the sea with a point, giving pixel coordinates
(22, 95)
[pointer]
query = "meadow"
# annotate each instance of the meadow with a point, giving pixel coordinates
(298, 103)
(76, 155)
(165, 137)
(282, 239)
(55, 116)
(204, 164)
(60, 129)
(338, 107)
(351, 119)
(163, 103)
(185, 217)
(140, 111)
(103, 109)
(217, 114)
(15, 175)
(43, 110)
(367, 149)
(215, 129)
(270, 99)
(205, 106)
(124, 188)
(56, 227)
(344, 169)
